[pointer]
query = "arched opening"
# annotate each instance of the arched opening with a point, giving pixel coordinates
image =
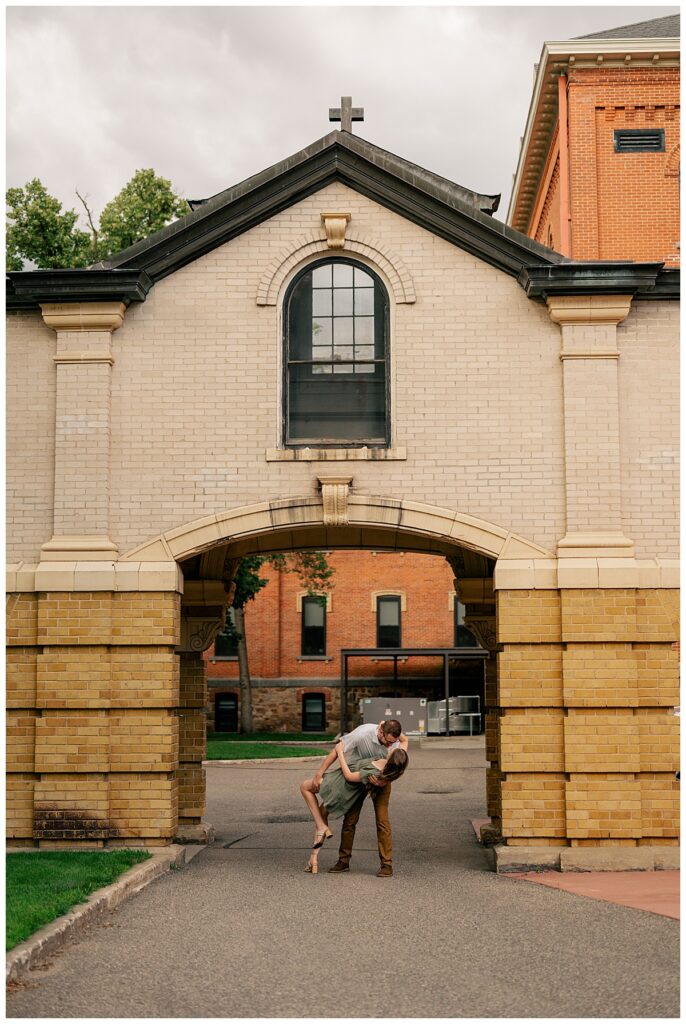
(208, 551)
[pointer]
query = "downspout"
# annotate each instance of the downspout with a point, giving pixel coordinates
(565, 214)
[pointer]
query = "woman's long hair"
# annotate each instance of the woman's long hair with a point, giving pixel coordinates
(395, 766)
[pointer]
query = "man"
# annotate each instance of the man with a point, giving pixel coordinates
(368, 741)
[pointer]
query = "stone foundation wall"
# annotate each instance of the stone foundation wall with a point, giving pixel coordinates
(93, 737)
(587, 744)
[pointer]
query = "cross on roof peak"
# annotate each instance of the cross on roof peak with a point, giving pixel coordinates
(346, 113)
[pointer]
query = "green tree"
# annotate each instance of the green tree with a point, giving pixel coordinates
(146, 204)
(38, 231)
(314, 573)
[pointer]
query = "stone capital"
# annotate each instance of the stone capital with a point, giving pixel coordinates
(577, 310)
(83, 316)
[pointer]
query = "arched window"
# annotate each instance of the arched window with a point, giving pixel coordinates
(336, 387)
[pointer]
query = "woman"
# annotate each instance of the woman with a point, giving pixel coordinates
(340, 789)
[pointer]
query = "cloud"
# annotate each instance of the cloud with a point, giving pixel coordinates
(209, 95)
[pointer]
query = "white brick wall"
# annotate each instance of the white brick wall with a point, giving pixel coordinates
(476, 398)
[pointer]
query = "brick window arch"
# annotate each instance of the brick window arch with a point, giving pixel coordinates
(336, 356)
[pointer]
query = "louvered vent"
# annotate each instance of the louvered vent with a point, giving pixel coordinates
(639, 140)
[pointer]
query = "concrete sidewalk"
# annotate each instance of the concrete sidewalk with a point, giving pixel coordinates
(244, 932)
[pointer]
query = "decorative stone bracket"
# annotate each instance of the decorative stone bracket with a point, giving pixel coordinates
(335, 225)
(203, 612)
(335, 492)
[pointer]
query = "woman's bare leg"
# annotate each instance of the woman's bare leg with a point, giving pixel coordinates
(319, 813)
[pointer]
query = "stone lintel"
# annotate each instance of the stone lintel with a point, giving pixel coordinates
(83, 316)
(573, 310)
(72, 575)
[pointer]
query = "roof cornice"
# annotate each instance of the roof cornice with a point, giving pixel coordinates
(558, 57)
(643, 280)
(26, 289)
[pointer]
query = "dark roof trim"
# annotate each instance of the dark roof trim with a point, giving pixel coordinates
(644, 280)
(429, 200)
(26, 289)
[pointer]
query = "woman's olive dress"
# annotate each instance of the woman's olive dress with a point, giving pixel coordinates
(337, 795)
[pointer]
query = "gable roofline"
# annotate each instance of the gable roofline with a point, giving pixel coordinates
(557, 57)
(434, 203)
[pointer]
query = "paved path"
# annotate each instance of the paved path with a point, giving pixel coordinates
(244, 932)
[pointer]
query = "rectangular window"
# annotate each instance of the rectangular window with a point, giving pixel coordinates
(463, 636)
(314, 712)
(313, 627)
(226, 642)
(388, 622)
(639, 140)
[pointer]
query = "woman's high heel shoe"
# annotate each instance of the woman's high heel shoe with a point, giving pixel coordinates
(311, 868)
(320, 837)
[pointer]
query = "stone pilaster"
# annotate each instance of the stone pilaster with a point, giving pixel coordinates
(82, 429)
(591, 424)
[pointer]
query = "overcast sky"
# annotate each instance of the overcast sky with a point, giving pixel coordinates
(210, 95)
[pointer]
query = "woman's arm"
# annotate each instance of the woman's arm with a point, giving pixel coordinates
(347, 774)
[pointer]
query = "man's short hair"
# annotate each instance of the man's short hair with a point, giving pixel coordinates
(392, 728)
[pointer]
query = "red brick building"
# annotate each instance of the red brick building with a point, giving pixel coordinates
(598, 169)
(378, 600)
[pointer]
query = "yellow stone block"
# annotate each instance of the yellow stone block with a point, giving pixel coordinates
(599, 615)
(71, 807)
(603, 806)
(658, 730)
(72, 741)
(528, 616)
(657, 675)
(659, 805)
(533, 805)
(73, 676)
(600, 675)
(21, 619)
(143, 739)
(601, 740)
(531, 740)
(143, 805)
(530, 675)
(21, 740)
(19, 805)
(20, 681)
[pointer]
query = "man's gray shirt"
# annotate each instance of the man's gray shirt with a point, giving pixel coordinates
(363, 742)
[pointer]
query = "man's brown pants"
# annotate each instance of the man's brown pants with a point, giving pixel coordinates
(381, 798)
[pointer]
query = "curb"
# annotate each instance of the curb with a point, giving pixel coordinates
(269, 760)
(54, 935)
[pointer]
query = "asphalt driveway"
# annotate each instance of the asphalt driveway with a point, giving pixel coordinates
(244, 932)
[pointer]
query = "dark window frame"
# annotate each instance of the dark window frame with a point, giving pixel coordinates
(308, 602)
(388, 599)
(234, 710)
(458, 636)
(321, 698)
(221, 637)
(636, 133)
(324, 442)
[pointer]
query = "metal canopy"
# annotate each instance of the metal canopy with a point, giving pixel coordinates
(395, 653)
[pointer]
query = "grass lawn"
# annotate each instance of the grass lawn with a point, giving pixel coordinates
(44, 885)
(235, 749)
(276, 737)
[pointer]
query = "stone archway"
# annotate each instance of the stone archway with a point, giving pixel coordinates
(335, 519)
